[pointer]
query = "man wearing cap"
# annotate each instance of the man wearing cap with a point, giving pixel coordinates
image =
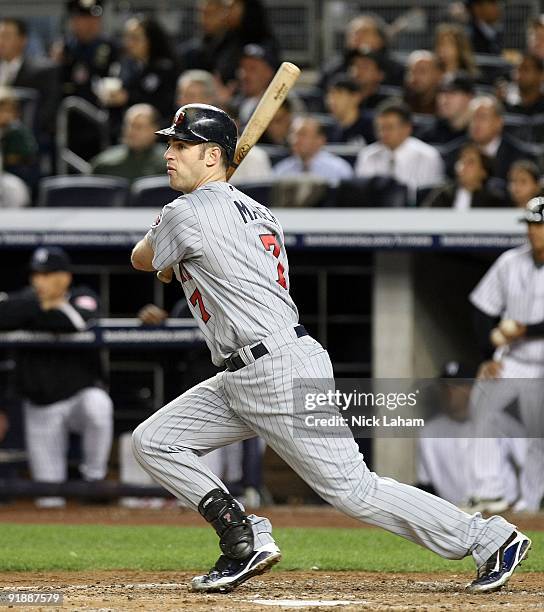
(509, 321)
(443, 462)
(62, 388)
(343, 101)
(257, 67)
(453, 110)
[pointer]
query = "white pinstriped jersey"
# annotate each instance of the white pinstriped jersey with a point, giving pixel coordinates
(228, 253)
(513, 288)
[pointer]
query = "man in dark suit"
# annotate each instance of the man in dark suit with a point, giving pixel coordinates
(486, 130)
(484, 26)
(20, 70)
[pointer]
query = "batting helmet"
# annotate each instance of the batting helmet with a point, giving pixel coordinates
(204, 123)
(534, 211)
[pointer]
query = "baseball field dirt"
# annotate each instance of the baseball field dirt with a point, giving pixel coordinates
(305, 590)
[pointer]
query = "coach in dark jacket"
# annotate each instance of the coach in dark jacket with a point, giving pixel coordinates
(62, 388)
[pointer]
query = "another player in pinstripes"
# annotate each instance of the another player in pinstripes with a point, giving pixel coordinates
(228, 254)
(512, 290)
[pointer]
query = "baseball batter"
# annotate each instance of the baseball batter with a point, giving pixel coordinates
(229, 256)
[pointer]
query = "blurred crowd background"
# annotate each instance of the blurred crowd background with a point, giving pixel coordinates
(437, 105)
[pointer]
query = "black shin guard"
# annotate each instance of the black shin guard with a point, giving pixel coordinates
(230, 523)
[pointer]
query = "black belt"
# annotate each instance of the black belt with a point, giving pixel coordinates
(235, 362)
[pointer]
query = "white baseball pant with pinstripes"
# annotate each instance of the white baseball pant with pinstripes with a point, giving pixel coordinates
(258, 399)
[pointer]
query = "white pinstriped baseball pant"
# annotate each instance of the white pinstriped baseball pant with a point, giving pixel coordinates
(258, 399)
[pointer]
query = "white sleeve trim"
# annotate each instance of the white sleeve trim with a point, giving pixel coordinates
(76, 319)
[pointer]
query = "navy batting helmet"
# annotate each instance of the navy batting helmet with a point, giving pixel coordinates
(534, 211)
(204, 123)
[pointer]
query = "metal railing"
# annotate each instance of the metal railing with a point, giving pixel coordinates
(66, 158)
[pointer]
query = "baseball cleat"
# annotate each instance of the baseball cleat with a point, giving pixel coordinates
(228, 573)
(496, 571)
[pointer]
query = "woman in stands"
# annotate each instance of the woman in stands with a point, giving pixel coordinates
(148, 70)
(470, 188)
(452, 47)
(524, 182)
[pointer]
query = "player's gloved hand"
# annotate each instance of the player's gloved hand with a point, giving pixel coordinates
(489, 370)
(152, 315)
(165, 276)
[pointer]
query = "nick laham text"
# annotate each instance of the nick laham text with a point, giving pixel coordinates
(337, 420)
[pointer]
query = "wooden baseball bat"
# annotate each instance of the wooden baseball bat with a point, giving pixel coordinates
(272, 99)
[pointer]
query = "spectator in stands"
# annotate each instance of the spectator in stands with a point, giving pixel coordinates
(486, 129)
(257, 67)
(484, 26)
(139, 154)
(62, 387)
(226, 27)
(196, 86)
(18, 69)
(364, 32)
(470, 189)
(535, 37)
(443, 463)
(211, 50)
(343, 102)
(18, 145)
(148, 69)
(524, 182)
(277, 132)
(85, 53)
(423, 78)
(453, 110)
(308, 138)
(367, 70)
(453, 50)
(529, 78)
(397, 153)
(248, 21)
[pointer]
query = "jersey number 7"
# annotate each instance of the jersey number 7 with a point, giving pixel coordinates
(270, 243)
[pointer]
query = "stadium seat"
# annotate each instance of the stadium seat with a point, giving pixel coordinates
(152, 191)
(374, 191)
(312, 97)
(261, 191)
(275, 152)
(421, 194)
(346, 151)
(79, 190)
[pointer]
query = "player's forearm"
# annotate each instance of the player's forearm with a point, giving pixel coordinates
(142, 256)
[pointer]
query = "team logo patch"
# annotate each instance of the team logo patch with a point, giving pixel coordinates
(86, 302)
(157, 221)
